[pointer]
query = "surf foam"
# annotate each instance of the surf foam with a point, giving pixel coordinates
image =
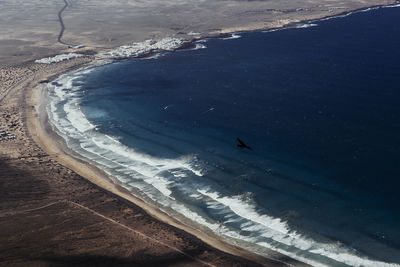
(157, 177)
(306, 25)
(233, 36)
(279, 231)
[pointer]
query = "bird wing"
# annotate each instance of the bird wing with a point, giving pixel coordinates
(240, 141)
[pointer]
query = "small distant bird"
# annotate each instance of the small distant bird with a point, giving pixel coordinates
(242, 144)
(168, 106)
(209, 110)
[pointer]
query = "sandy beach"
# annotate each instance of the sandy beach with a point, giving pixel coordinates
(58, 210)
(68, 211)
(51, 215)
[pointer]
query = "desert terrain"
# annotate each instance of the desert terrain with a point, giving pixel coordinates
(30, 29)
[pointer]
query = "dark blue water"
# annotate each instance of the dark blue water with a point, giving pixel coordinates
(319, 106)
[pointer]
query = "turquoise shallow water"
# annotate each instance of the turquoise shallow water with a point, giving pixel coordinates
(318, 105)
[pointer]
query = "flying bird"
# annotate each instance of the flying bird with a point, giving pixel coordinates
(209, 110)
(242, 144)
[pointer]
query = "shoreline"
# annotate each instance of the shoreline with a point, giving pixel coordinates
(190, 43)
(52, 215)
(41, 132)
(55, 146)
(290, 25)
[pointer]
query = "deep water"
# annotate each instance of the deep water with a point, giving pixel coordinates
(320, 106)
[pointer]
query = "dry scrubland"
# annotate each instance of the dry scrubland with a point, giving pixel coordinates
(29, 29)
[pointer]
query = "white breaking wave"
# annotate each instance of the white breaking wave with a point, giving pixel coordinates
(202, 41)
(274, 30)
(391, 6)
(157, 178)
(233, 36)
(279, 231)
(200, 46)
(154, 56)
(357, 11)
(70, 122)
(306, 25)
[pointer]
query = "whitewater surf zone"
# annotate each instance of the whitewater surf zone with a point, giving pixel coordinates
(178, 186)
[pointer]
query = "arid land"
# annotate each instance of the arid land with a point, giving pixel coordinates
(30, 29)
(56, 210)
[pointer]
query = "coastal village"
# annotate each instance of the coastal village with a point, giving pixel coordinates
(139, 49)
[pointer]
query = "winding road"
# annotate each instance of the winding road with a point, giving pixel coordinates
(60, 19)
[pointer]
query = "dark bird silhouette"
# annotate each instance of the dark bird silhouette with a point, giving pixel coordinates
(242, 144)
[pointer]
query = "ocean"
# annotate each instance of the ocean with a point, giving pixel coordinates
(318, 103)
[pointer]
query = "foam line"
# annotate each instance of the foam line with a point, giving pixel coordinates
(158, 179)
(279, 231)
(233, 36)
(306, 25)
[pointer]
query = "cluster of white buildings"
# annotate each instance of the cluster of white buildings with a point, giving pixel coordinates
(58, 58)
(125, 51)
(143, 48)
